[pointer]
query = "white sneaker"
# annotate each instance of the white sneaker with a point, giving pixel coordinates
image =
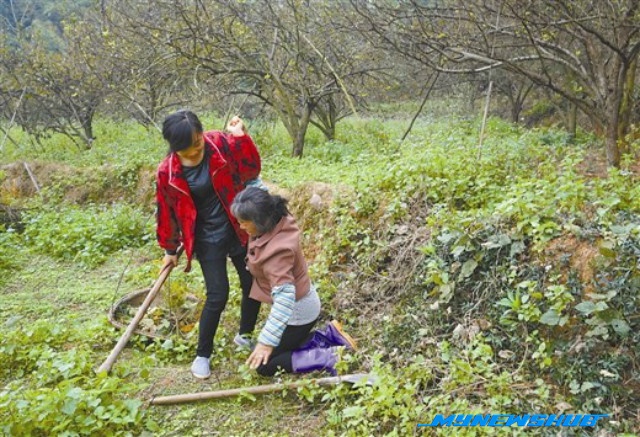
(244, 342)
(200, 368)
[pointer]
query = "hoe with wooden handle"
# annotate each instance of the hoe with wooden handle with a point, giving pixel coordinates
(260, 389)
(164, 274)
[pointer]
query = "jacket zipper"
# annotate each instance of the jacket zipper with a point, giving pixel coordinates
(171, 177)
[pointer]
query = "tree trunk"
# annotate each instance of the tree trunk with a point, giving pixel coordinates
(332, 113)
(514, 104)
(326, 114)
(572, 124)
(87, 128)
(473, 95)
(611, 141)
(518, 103)
(614, 107)
(88, 134)
(330, 133)
(516, 109)
(626, 107)
(301, 131)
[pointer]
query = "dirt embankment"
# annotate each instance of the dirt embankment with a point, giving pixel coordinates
(105, 184)
(310, 202)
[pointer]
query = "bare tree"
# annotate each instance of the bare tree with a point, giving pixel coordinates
(584, 51)
(146, 79)
(515, 89)
(287, 54)
(60, 93)
(328, 112)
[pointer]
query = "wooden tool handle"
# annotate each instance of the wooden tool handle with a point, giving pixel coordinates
(164, 274)
(257, 389)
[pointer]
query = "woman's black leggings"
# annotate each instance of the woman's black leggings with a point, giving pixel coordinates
(292, 338)
(217, 283)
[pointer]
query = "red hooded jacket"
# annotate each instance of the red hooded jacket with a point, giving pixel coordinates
(233, 162)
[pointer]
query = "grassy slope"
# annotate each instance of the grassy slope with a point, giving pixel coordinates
(75, 299)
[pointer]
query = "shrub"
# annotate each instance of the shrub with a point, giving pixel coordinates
(53, 390)
(87, 235)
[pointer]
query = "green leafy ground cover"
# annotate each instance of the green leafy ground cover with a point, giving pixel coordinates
(500, 279)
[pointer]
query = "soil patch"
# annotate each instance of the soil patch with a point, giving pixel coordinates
(310, 204)
(570, 253)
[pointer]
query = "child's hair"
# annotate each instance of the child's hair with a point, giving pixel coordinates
(258, 206)
(178, 129)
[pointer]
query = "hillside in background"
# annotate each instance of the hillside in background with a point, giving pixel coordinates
(41, 16)
(501, 278)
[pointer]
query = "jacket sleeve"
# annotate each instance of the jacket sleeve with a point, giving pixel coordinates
(247, 156)
(241, 152)
(284, 298)
(167, 229)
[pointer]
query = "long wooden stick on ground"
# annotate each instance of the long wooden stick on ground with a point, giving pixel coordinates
(257, 389)
(164, 274)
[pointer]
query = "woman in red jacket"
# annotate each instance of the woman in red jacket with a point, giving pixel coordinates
(195, 186)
